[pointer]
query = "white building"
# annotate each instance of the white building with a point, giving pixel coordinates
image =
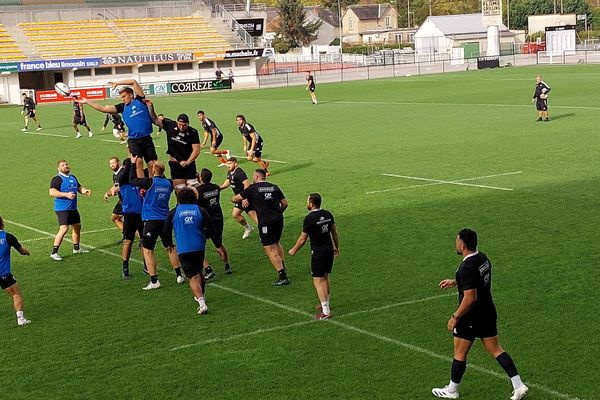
(440, 34)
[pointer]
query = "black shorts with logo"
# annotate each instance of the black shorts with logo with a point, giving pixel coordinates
(258, 149)
(143, 147)
(30, 113)
(69, 217)
(311, 89)
(152, 230)
(133, 223)
(469, 329)
(270, 233)
(321, 263)
(541, 105)
(219, 141)
(7, 281)
(118, 209)
(79, 120)
(179, 172)
(191, 263)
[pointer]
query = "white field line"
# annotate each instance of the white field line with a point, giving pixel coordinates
(244, 157)
(342, 325)
(443, 182)
(83, 233)
(394, 305)
(47, 134)
(73, 136)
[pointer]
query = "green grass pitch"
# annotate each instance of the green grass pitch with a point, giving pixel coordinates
(529, 189)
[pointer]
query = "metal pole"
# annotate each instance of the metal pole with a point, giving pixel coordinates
(430, 8)
(408, 13)
(508, 14)
(340, 23)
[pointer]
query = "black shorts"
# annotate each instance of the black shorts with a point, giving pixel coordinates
(133, 223)
(258, 149)
(79, 120)
(143, 147)
(219, 141)
(217, 238)
(152, 230)
(270, 233)
(30, 113)
(179, 172)
(7, 281)
(311, 89)
(239, 205)
(541, 105)
(191, 263)
(118, 209)
(469, 330)
(321, 263)
(70, 217)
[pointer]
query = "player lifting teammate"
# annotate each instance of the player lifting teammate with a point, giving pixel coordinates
(29, 112)
(216, 138)
(252, 142)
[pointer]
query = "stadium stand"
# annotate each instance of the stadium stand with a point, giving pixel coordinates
(9, 50)
(64, 39)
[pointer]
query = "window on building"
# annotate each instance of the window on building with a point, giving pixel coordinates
(411, 37)
(206, 65)
(399, 38)
(184, 66)
(165, 67)
(123, 70)
(147, 68)
(83, 72)
(103, 71)
(242, 63)
(350, 24)
(388, 21)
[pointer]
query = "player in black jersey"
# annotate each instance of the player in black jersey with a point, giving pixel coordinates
(79, 118)
(216, 138)
(117, 214)
(310, 86)
(238, 181)
(269, 203)
(320, 227)
(118, 126)
(540, 96)
(209, 199)
(252, 141)
(475, 317)
(29, 112)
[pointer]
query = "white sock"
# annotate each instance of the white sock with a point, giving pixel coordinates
(247, 227)
(79, 133)
(453, 387)
(516, 381)
(325, 307)
(20, 314)
(201, 301)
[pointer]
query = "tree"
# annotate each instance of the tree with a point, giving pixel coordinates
(294, 30)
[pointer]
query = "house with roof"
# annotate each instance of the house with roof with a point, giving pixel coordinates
(370, 23)
(330, 27)
(440, 34)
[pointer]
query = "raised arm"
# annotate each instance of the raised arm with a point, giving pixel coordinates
(137, 89)
(109, 109)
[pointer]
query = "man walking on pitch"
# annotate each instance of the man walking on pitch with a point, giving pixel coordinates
(237, 179)
(320, 227)
(7, 281)
(64, 188)
(310, 86)
(475, 317)
(269, 203)
(540, 96)
(216, 138)
(190, 224)
(252, 141)
(29, 112)
(79, 119)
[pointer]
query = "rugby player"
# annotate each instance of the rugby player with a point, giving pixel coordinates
(216, 138)
(238, 181)
(29, 112)
(252, 141)
(79, 119)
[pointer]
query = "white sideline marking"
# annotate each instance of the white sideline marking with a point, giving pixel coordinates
(83, 233)
(408, 346)
(444, 182)
(244, 157)
(402, 303)
(47, 134)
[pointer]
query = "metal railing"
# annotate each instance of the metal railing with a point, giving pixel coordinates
(229, 19)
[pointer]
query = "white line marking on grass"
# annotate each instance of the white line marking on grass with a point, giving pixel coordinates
(402, 303)
(348, 327)
(244, 157)
(459, 182)
(83, 233)
(48, 134)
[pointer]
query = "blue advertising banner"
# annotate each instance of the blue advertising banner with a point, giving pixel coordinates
(59, 64)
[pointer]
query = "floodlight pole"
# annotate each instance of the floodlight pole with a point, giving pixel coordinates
(508, 14)
(340, 23)
(408, 13)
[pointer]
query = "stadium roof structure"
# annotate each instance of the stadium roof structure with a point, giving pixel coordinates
(461, 24)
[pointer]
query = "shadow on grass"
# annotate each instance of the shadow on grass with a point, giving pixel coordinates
(290, 167)
(562, 116)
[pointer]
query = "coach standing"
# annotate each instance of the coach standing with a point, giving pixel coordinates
(540, 96)
(64, 188)
(269, 203)
(475, 317)
(320, 227)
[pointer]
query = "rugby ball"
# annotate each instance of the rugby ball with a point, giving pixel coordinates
(62, 89)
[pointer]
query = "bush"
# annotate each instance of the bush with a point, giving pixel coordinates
(281, 46)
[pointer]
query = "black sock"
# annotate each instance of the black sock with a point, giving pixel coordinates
(208, 269)
(227, 266)
(54, 249)
(125, 264)
(153, 278)
(178, 271)
(282, 274)
(458, 370)
(75, 246)
(507, 364)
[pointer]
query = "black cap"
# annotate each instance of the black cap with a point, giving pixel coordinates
(183, 118)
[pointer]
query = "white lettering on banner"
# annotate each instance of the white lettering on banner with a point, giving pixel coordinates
(148, 58)
(182, 87)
